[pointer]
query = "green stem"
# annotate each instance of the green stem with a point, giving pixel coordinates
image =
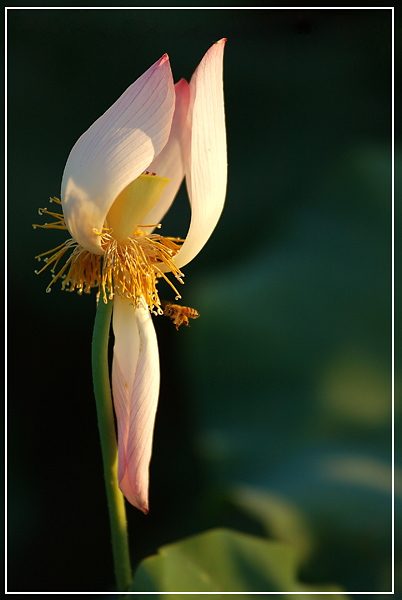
(104, 407)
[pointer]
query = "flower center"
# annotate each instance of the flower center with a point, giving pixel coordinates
(129, 266)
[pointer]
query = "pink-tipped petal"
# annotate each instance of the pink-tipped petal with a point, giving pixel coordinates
(206, 176)
(172, 161)
(135, 380)
(115, 150)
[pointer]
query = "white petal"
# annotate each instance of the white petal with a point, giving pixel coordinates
(207, 173)
(135, 379)
(115, 150)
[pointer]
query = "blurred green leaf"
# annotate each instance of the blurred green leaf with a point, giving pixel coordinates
(222, 560)
(279, 517)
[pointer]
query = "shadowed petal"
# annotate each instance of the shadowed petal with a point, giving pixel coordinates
(173, 159)
(135, 380)
(133, 204)
(207, 171)
(115, 150)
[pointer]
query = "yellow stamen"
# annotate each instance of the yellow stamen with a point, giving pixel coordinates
(129, 268)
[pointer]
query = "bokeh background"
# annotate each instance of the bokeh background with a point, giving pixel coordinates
(275, 406)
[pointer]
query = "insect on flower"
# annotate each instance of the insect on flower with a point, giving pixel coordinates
(180, 314)
(119, 181)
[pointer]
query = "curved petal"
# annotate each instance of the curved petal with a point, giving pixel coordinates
(115, 150)
(135, 381)
(206, 176)
(172, 161)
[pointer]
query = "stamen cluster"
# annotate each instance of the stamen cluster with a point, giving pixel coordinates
(130, 268)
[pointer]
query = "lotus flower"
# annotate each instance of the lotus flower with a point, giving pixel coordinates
(120, 179)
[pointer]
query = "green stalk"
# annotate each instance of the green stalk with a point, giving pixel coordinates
(104, 407)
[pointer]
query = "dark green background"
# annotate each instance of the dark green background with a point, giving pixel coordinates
(284, 383)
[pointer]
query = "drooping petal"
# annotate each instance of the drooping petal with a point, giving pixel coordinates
(135, 381)
(125, 358)
(115, 150)
(173, 159)
(206, 175)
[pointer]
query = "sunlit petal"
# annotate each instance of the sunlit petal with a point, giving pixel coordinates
(206, 175)
(115, 150)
